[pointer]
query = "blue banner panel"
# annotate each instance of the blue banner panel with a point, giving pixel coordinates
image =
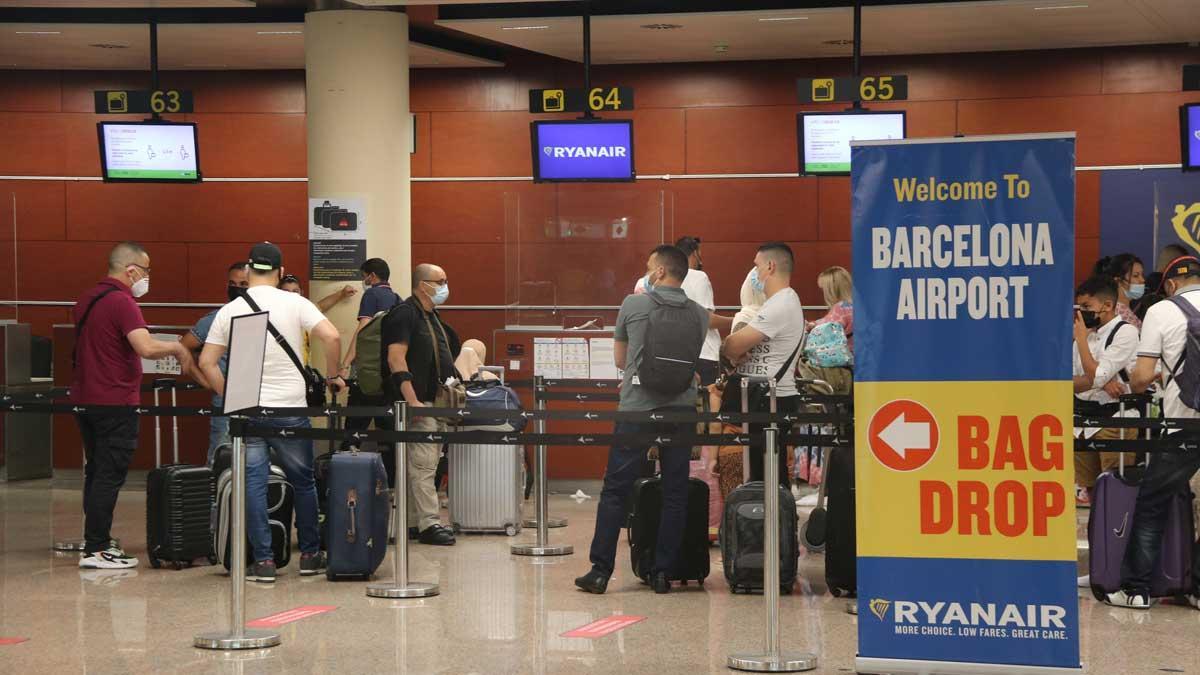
(959, 253)
(1141, 211)
(975, 611)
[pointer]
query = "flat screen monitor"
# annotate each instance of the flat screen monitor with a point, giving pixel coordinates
(154, 152)
(582, 151)
(824, 137)
(1189, 129)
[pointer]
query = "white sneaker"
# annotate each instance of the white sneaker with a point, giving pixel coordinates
(1084, 581)
(1128, 600)
(112, 559)
(1193, 600)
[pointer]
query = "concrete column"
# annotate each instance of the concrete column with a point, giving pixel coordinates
(356, 77)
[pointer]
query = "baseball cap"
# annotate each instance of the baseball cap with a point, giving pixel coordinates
(265, 257)
(1186, 266)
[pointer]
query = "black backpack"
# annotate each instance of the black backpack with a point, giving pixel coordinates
(674, 337)
(1186, 371)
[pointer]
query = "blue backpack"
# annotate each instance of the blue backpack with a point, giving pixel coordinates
(827, 346)
(485, 395)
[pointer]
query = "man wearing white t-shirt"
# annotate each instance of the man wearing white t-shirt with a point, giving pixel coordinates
(698, 288)
(770, 344)
(283, 386)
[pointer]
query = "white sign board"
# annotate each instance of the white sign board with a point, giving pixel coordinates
(167, 365)
(247, 350)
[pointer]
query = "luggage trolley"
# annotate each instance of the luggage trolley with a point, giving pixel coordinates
(487, 482)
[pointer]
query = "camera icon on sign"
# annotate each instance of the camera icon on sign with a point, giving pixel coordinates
(553, 100)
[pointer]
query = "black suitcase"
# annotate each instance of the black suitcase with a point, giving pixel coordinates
(177, 515)
(841, 550)
(321, 478)
(742, 539)
(280, 508)
(643, 531)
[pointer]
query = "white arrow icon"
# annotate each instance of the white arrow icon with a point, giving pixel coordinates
(902, 436)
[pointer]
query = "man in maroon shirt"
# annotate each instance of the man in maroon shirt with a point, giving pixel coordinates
(111, 338)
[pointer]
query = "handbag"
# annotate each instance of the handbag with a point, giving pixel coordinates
(314, 381)
(759, 395)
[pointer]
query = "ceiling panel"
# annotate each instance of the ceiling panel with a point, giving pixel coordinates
(234, 46)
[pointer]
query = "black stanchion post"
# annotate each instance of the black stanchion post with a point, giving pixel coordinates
(238, 637)
(773, 660)
(542, 546)
(400, 587)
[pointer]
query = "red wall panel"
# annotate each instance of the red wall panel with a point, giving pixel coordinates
(742, 140)
(1087, 203)
(214, 91)
(473, 270)
(33, 144)
(481, 144)
(834, 209)
(755, 210)
(252, 146)
(78, 265)
(422, 160)
(40, 209)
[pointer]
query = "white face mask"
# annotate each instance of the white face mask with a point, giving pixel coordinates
(140, 287)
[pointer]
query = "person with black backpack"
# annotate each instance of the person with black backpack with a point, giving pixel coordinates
(1170, 335)
(658, 338)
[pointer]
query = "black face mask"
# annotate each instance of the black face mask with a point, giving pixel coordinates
(1090, 319)
(234, 292)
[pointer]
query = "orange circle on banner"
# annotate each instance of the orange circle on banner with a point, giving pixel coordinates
(903, 435)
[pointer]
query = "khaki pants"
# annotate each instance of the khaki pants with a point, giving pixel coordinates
(423, 506)
(1089, 465)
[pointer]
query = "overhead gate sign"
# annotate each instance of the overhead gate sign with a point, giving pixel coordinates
(963, 269)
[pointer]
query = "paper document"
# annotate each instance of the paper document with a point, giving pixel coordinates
(575, 358)
(547, 358)
(168, 365)
(601, 359)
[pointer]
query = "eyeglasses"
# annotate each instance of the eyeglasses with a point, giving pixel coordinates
(145, 270)
(289, 279)
(436, 282)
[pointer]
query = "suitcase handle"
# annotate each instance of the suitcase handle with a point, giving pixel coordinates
(352, 505)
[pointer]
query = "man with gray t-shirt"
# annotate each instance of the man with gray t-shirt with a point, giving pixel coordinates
(665, 271)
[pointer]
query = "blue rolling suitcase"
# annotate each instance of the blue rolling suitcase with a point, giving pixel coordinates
(357, 518)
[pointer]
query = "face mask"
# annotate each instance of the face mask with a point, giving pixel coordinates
(647, 285)
(234, 292)
(441, 294)
(366, 285)
(1090, 319)
(140, 287)
(756, 283)
(1136, 291)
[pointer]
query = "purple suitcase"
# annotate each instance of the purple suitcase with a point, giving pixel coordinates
(1110, 524)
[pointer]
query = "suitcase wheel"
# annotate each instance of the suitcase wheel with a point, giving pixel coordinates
(456, 528)
(835, 591)
(1098, 593)
(179, 564)
(510, 530)
(212, 559)
(155, 563)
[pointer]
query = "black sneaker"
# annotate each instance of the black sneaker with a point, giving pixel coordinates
(437, 535)
(594, 581)
(262, 572)
(313, 563)
(660, 583)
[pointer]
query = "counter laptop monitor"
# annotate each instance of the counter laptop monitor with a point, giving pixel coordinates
(1189, 136)
(824, 137)
(149, 152)
(582, 151)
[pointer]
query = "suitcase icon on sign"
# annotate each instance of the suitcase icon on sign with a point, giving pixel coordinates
(822, 89)
(553, 100)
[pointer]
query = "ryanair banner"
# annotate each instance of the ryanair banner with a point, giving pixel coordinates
(963, 282)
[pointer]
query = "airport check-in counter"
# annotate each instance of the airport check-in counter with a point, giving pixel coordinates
(25, 440)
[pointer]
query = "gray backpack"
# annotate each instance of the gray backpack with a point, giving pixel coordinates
(674, 338)
(1186, 371)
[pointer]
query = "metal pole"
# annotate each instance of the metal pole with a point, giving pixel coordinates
(400, 586)
(238, 637)
(540, 492)
(154, 62)
(856, 59)
(773, 660)
(175, 424)
(542, 546)
(587, 61)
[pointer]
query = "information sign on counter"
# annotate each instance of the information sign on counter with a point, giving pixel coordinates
(964, 261)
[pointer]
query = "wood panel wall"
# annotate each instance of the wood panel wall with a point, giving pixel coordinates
(703, 118)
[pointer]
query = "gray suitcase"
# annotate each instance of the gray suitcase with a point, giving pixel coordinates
(487, 484)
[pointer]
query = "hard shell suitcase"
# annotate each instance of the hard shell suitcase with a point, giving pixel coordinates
(357, 520)
(644, 521)
(280, 506)
(841, 548)
(177, 515)
(487, 481)
(742, 538)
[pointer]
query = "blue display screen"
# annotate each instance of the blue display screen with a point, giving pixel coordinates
(1191, 136)
(583, 150)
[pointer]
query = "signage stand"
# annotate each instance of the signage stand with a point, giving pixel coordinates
(400, 586)
(542, 547)
(248, 333)
(772, 659)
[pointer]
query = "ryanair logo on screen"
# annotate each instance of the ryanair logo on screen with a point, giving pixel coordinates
(973, 620)
(1187, 224)
(584, 151)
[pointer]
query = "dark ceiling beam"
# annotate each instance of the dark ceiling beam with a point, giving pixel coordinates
(517, 10)
(144, 15)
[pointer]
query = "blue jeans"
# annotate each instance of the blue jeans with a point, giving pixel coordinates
(1167, 475)
(625, 464)
(218, 435)
(296, 458)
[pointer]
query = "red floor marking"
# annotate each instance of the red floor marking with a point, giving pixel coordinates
(277, 620)
(5, 641)
(605, 626)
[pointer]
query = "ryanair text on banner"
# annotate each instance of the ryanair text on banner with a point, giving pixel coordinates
(963, 274)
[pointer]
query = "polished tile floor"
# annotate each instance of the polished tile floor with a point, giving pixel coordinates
(497, 613)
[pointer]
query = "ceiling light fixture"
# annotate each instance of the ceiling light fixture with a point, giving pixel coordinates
(838, 43)
(1038, 9)
(39, 32)
(108, 45)
(662, 26)
(785, 18)
(280, 32)
(525, 28)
